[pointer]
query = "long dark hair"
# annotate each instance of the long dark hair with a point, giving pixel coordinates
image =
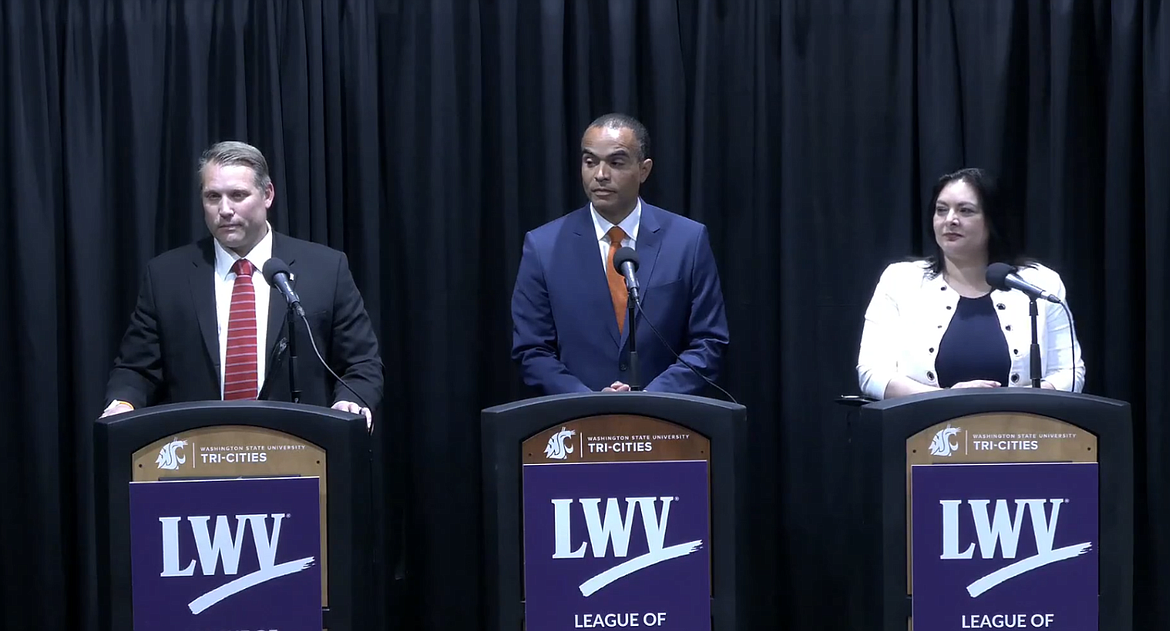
(1002, 224)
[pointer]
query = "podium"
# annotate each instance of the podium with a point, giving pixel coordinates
(613, 510)
(994, 508)
(233, 515)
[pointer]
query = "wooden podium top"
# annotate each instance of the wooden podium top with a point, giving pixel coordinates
(1000, 437)
(615, 438)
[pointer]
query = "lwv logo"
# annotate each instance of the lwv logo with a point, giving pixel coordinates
(556, 448)
(612, 526)
(1003, 529)
(169, 457)
(220, 544)
(941, 444)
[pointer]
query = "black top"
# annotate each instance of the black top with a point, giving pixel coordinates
(974, 346)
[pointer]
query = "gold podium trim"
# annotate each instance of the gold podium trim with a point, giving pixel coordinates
(615, 438)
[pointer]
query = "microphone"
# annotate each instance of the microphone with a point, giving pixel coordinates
(626, 263)
(1003, 277)
(276, 273)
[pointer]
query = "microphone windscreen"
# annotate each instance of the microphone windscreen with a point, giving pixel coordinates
(997, 274)
(273, 267)
(625, 255)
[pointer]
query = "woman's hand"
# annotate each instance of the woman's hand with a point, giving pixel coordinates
(977, 383)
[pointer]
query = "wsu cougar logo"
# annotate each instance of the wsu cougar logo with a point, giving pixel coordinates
(556, 448)
(941, 444)
(168, 456)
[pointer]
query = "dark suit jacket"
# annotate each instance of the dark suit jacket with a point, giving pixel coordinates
(565, 335)
(170, 352)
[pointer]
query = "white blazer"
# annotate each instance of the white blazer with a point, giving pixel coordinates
(910, 312)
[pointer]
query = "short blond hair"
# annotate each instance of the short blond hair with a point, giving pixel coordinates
(233, 153)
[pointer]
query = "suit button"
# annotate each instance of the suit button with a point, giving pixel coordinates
(622, 367)
(1016, 377)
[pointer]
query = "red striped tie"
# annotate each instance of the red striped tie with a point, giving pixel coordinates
(239, 377)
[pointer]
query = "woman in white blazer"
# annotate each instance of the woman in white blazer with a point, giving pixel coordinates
(935, 323)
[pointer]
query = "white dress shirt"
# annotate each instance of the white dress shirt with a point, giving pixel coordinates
(629, 225)
(225, 280)
(910, 312)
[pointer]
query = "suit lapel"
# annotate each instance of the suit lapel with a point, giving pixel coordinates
(647, 245)
(586, 252)
(202, 281)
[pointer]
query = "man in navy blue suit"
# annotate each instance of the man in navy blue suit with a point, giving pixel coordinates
(569, 305)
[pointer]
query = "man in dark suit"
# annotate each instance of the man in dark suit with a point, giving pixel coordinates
(208, 326)
(569, 305)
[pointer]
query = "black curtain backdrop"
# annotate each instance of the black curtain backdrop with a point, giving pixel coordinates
(423, 137)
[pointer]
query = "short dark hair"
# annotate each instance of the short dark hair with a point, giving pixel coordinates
(1002, 229)
(235, 153)
(617, 120)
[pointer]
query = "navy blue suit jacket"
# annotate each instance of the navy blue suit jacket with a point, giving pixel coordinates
(565, 334)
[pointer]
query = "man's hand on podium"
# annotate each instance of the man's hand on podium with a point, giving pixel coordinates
(117, 407)
(353, 408)
(616, 386)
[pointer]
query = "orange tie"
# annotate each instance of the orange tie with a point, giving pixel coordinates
(617, 282)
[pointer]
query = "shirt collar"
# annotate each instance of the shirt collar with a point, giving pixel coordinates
(225, 259)
(629, 225)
